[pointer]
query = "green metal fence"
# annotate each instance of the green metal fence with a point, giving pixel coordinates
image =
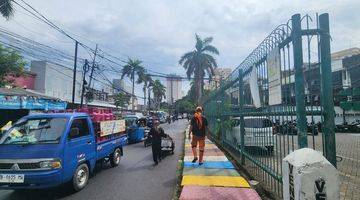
(278, 99)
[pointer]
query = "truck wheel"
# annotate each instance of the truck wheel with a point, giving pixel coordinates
(81, 177)
(115, 158)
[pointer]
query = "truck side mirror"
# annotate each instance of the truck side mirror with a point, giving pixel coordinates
(74, 132)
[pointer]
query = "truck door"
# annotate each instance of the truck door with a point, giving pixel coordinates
(80, 145)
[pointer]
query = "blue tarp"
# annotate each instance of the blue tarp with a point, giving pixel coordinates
(31, 103)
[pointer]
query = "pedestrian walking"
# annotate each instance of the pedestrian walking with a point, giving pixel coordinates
(156, 133)
(198, 128)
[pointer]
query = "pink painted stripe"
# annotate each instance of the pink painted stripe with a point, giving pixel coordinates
(217, 193)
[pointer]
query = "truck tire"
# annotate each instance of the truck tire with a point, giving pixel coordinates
(81, 177)
(115, 157)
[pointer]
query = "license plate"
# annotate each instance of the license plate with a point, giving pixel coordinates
(12, 178)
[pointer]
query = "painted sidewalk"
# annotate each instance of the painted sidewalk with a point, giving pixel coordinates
(216, 179)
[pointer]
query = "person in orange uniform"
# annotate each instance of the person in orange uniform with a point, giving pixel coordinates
(198, 128)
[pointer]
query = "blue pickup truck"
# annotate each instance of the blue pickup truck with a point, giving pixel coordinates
(47, 150)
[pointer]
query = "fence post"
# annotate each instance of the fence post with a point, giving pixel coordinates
(299, 81)
(326, 90)
(242, 124)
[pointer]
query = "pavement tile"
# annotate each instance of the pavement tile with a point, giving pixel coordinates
(206, 153)
(209, 172)
(217, 193)
(207, 158)
(223, 181)
(215, 164)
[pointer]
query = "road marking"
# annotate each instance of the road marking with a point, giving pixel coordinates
(347, 158)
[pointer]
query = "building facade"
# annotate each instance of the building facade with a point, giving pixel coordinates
(56, 81)
(119, 85)
(173, 89)
(220, 74)
(25, 81)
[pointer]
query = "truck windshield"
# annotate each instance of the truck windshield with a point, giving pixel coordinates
(129, 121)
(35, 131)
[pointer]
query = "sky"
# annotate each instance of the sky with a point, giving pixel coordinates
(158, 32)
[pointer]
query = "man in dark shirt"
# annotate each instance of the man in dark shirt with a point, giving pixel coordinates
(156, 133)
(198, 128)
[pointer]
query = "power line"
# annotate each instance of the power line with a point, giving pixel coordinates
(39, 16)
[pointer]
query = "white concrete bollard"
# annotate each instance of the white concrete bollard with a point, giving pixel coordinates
(308, 175)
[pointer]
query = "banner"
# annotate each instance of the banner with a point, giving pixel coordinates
(10, 102)
(274, 76)
(31, 103)
(254, 88)
(111, 127)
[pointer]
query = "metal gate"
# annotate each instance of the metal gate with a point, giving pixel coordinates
(278, 99)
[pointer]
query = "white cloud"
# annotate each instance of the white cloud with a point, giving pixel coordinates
(160, 31)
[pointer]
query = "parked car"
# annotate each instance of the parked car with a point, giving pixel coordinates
(353, 127)
(258, 132)
(312, 129)
(46, 150)
(287, 128)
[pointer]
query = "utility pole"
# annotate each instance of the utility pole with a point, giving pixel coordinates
(93, 66)
(133, 92)
(74, 76)
(85, 70)
(171, 90)
(149, 100)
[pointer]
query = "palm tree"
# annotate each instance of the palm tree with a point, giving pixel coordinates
(146, 80)
(199, 62)
(159, 91)
(131, 69)
(121, 100)
(6, 8)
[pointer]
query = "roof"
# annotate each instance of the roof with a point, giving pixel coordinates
(23, 92)
(131, 116)
(64, 115)
(345, 53)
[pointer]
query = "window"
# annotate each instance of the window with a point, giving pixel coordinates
(257, 123)
(83, 127)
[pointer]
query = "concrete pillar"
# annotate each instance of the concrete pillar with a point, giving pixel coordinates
(308, 175)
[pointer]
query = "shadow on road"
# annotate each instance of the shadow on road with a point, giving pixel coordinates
(45, 194)
(58, 192)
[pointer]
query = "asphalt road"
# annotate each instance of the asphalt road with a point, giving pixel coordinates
(136, 178)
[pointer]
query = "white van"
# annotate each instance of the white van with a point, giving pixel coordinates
(258, 132)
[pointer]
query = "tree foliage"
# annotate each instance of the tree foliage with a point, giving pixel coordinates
(200, 62)
(188, 103)
(6, 8)
(131, 69)
(122, 100)
(11, 63)
(146, 80)
(159, 91)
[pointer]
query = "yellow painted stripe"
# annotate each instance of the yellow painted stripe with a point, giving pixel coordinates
(222, 181)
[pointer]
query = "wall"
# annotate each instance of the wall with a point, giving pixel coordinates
(26, 81)
(56, 81)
